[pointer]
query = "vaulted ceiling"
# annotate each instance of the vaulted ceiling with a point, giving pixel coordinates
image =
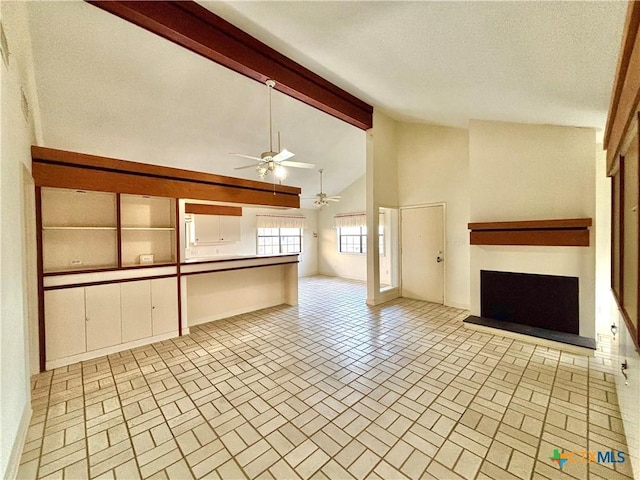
(109, 88)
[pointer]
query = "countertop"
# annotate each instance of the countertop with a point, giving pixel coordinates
(229, 258)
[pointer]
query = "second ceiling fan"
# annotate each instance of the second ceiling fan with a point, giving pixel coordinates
(321, 199)
(270, 161)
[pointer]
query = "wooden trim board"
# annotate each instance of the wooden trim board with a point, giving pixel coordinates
(626, 89)
(573, 232)
(533, 224)
(203, 209)
(63, 169)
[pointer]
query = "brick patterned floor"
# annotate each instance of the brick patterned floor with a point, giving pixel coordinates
(331, 389)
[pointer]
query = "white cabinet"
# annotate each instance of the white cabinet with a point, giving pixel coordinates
(65, 328)
(229, 228)
(102, 309)
(81, 320)
(149, 307)
(135, 306)
(210, 229)
(164, 301)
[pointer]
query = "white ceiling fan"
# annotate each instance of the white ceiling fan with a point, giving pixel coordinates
(321, 199)
(273, 161)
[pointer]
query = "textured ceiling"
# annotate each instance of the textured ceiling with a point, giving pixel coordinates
(107, 87)
(447, 62)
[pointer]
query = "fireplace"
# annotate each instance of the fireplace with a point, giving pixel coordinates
(543, 301)
(543, 306)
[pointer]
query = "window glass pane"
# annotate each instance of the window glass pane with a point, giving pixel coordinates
(349, 230)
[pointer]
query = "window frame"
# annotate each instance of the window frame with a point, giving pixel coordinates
(362, 235)
(280, 237)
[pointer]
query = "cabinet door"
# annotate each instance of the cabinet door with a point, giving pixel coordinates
(104, 324)
(135, 306)
(164, 301)
(207, 229)
(64, 322)
(229, 228)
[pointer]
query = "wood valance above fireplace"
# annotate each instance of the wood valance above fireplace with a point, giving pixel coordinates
(572, 232)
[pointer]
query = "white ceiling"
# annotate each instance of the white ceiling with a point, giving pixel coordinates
(446, 62)
(107, 87)
(110, 88)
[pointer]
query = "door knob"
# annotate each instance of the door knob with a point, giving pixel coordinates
(439, 259)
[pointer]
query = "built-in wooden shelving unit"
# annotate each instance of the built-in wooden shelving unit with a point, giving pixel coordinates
(572, 232)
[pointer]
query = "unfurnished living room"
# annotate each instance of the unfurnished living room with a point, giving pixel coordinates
(320, 240)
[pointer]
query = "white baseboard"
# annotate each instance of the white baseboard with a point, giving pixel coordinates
(81, 357)
(385, 296)
(233, 312)
(461, 306)
(11, 471)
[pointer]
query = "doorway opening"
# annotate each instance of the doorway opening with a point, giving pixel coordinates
(389, 251)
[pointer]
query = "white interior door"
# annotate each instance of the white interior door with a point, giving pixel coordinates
(423, 253)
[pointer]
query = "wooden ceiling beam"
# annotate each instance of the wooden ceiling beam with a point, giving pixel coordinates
(197, 29)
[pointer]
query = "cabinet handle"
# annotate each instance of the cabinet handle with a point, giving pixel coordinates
(87, 319)
(153, 307)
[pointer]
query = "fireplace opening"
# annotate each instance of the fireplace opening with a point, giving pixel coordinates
(542, 301)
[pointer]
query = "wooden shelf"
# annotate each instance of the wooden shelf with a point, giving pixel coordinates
(79, 228)
(149, 229)
(573, 232)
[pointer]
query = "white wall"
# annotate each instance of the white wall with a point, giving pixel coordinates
(628, 390)
(433, 167)
(330, 261)
(381, 191)
(533, 172)
(17, 134)
(248, 245)
(213, 296)
(602, 235)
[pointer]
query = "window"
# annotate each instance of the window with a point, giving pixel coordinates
(279, 240)
(354, 239)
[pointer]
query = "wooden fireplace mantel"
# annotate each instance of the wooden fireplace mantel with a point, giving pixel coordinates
(572, 232)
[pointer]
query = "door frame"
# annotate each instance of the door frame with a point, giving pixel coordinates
(444, 242)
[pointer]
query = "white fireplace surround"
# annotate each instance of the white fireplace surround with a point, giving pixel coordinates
(566, 261)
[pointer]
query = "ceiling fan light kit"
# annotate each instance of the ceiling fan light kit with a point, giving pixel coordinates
(271, 161)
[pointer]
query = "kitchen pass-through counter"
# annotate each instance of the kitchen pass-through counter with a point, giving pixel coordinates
(220, 287)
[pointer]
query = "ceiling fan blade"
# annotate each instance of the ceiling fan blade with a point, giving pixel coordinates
(283, 155)
(332, 199)
(246, 156)
(297, 164)
(253, 165)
